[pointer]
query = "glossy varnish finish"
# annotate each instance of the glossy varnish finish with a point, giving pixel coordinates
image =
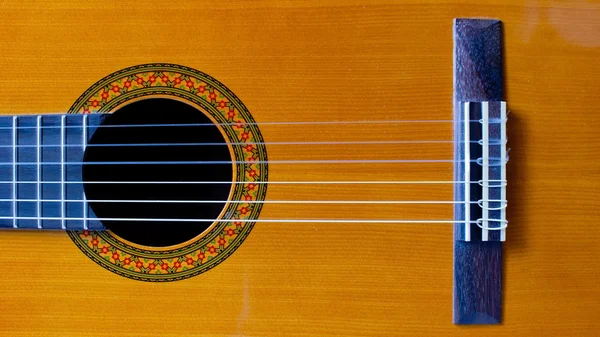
(322, 61)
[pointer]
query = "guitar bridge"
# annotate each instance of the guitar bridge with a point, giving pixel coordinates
(479, 172)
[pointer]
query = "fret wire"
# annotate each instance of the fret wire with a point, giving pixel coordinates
(39, 171)
(62, 173)
(14, 181)
(84, 144)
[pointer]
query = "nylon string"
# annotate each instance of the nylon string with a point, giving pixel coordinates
(85, 219)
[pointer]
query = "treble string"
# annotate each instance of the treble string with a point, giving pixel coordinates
(373, 142)
(240, 123)
(360, 122)
(381, 221)
(351, 202)
(332, 182)
(223, 162)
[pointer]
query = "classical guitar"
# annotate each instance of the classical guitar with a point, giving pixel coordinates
(299, 168)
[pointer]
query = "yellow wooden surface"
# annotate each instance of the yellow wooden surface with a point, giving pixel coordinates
(317, 61)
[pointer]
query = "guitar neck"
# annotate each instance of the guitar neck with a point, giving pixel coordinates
(41, 158)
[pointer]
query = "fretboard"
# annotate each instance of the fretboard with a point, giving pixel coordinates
(41, 171)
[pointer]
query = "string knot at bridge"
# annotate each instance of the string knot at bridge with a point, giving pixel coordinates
(481, 153)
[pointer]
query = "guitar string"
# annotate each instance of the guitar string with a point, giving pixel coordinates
(372, 142)
(478, 222)
(352, 202)
(249, 143)
(495, 183)
(224, 162)
(333, 182)
(491, 120)
(397, 221)
(396, 202)
(323, 161)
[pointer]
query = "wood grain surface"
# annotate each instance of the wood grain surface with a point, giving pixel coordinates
(322, 61)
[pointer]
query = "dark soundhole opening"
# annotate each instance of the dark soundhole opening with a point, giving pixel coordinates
(149, 131)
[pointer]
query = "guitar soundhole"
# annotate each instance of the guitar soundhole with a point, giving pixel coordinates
(154, 145)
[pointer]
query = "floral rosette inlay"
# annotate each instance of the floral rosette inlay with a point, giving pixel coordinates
(240, 129)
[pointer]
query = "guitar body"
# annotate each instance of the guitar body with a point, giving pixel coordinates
(313, 61)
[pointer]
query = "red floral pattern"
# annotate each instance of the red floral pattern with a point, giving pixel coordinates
(110, 251)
